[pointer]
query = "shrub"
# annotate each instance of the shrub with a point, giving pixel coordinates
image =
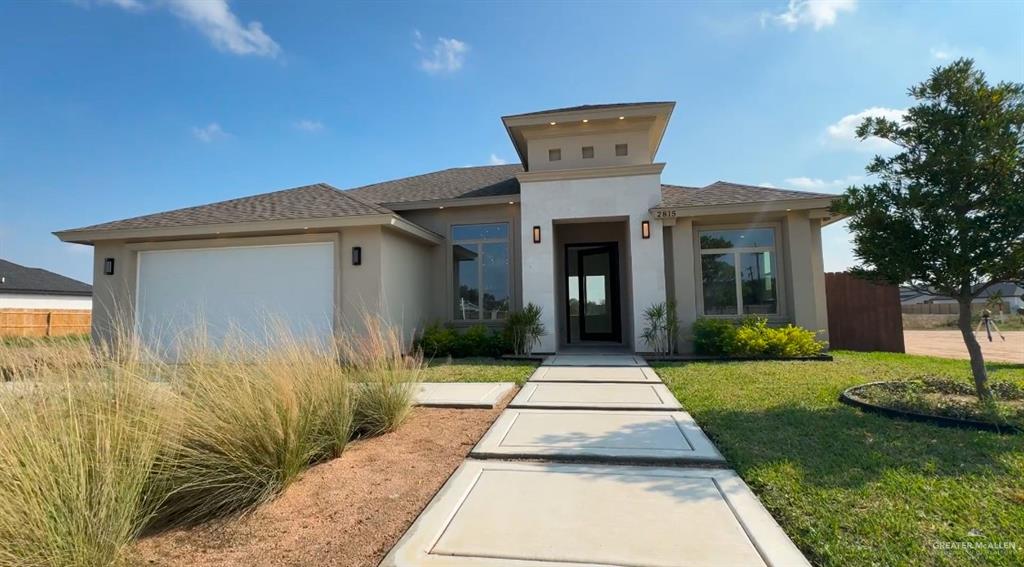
(752, 337)
(476, 341)
(713, 337)
(523, 329)
(384, 376)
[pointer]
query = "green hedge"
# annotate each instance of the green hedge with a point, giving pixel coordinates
(752, 337)
(479, 340)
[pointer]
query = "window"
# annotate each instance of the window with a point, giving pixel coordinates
(481, 265)
(739, 271)
(622, 149)
(588, 152)
(555, 155)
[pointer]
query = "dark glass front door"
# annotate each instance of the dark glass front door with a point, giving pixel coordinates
(592, 292)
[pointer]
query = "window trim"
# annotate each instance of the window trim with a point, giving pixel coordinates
(781, 310)
(450, 277)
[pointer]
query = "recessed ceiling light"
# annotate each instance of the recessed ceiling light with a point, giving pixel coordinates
(553, 123)
(788, 210)
(511, 202)
(622, 118)
(440, 207)
(585, 121)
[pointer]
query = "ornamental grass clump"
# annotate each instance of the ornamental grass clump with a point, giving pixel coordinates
(79, 446)
(383, 373)
(252, 418)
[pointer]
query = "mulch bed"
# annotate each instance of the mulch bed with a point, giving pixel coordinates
(941, 401)
(348, 512)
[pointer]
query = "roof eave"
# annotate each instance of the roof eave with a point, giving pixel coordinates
(90, 237)
(782, 205)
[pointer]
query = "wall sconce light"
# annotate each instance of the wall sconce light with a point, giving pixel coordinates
(536, 235)
(108, 266)
(645, 229)
(357, 255)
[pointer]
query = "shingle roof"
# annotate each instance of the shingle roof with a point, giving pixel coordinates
(455, 183)
(725, 193)
(307, 202)
(15, 278)
(586, 107)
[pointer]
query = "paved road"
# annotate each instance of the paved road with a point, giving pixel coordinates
(950, 344)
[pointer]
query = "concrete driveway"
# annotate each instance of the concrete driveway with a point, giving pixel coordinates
(950, 344)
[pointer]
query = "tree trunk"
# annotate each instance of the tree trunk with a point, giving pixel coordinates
(974, 349)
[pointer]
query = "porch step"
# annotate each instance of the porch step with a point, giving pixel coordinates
(592, 374)
(607, 396)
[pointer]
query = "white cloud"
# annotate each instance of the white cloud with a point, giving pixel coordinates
(944, 52)
(216, 21)
(767, 184)
(843, 134)
(309, 125)
(815, 13)
(822, 185)
(209, 133)
(495, 160)
(446, 56)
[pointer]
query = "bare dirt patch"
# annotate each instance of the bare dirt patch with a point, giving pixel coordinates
(346, 512)
(950, 344)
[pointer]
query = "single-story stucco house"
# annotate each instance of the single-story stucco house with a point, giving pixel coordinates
(584, 228)
(22, 287)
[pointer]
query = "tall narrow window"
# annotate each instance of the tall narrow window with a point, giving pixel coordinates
(481, 272)
(739, 272)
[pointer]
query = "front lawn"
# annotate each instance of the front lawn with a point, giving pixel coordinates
(477, 370)
(852, 488)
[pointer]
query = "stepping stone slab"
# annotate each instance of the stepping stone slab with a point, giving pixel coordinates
(594, 360)
(461, 394)
(597, 435)
(570, 395)
(503, 514)
(640, 374)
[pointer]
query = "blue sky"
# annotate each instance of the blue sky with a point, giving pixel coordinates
(115, 108)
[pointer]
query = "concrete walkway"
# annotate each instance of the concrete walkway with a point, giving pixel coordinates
(582, 500)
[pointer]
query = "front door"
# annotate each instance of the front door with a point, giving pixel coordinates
(592, 292)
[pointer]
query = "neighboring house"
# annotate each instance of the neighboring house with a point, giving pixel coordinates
(22, 287)
(584, 228)
(1011, 295)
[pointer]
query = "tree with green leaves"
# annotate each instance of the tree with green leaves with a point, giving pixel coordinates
(946, 214)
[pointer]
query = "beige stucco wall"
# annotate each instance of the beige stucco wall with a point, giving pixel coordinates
(603, 141)
(407, 295)
(440, 267)
(113, 295)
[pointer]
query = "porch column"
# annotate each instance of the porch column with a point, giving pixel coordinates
(685, 280)
(539, 274)
(647, 267)
(806, 276)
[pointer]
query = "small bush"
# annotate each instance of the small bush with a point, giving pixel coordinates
(752, 337)
(661, 327)
(523, 329)
(714, 337)
(439, 341)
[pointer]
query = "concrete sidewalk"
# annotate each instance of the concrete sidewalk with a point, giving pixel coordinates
(687, 511)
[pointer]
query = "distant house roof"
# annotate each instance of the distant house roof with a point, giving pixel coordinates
(1005, 290)
(15, 278)
(306, 202)
(725, 193)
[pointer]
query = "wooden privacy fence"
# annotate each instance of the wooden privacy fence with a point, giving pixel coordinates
(863, 315)
(44, 322)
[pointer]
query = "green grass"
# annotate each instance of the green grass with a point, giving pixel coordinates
(477, 370)
(852, 488)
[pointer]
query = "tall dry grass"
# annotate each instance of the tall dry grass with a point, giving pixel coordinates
(93, 452)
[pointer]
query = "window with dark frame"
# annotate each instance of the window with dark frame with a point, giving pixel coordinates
(481, 275)
(739, 271)
(555, 154)
(588, 152)
(622, 149)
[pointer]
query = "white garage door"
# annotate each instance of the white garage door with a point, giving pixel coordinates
(245, 290)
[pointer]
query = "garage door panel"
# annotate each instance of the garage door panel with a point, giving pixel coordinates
(241, 290)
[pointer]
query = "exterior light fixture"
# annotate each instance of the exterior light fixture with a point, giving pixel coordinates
(108, 266)
(536, 235)
(553, 123)
(441, 207)
(645, 229)
(357, 255)
(622, 118)
(511, 202)
(585, 120)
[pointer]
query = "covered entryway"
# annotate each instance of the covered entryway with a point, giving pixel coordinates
(252, 291)
(593, 268)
